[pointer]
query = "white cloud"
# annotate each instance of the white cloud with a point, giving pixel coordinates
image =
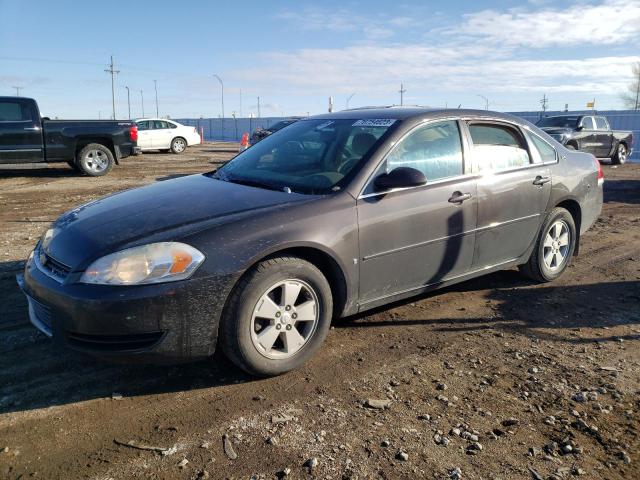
(610, 22)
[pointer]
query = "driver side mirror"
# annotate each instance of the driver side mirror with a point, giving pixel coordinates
(401, 177)
(579, 127)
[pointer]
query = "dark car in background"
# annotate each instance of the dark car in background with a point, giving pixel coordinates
(589, 133)
(261, 133)
(331, 216)
(89, 146)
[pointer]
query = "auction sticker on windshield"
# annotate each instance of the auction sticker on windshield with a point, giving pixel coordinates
(375, 122)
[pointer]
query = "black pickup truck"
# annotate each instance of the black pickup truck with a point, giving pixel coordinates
(89, 146)
(590, 134)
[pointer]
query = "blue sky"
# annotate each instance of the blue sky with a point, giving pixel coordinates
(294, 55)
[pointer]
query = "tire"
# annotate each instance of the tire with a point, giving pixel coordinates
(539, 268)
(571, 147)
(178, 145)
(249, 314)
(95, 160)
(620, 157)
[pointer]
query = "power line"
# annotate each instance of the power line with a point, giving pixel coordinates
(113, 73)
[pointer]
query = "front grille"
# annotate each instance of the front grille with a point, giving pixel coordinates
(42, 312)
(52, 267)
(114, 343)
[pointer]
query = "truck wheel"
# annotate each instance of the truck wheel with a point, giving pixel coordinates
(554, 248)
(277, 316)
(95, 160)
(178, 145)
(620, 157)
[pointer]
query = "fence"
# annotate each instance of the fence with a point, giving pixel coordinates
(231, 129)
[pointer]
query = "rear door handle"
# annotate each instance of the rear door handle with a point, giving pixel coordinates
(540, 180)
(459, 197)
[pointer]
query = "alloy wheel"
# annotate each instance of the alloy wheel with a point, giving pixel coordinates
(284, 319)
(556, 245)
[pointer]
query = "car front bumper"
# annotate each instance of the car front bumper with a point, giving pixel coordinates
(162, 323)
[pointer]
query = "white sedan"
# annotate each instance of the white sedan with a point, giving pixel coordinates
(165, 135)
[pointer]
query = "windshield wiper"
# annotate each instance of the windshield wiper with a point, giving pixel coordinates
(253, 183)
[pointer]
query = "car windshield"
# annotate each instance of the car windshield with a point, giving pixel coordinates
(310, 156)
(563, 122)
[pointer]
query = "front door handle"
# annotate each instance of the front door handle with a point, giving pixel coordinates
(459, 197)
(540, 180)
(31, 129)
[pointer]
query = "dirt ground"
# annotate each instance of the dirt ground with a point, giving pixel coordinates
(493, 378)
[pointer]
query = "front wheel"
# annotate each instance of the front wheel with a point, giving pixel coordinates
(277, 317)
(178, 145)
(95, 160)
(554, 247)
(620, 157)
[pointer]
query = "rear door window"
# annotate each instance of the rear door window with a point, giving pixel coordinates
(144, 125)
(497, 147)
(587, 123)
(541, 151)
(601, 123)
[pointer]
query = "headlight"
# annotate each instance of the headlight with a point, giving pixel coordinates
(153, 263)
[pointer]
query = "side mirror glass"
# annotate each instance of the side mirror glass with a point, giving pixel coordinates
(401, 177)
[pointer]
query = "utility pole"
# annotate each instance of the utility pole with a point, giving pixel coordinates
(258, 107)
(486, 102)
(638, 91)
(330, 104)
(113, 73)
(128, 102)
(402, 91)
(348, 100)
(20, 88)
(240, 103)
(222, 96)
(155, 84)
(544, 102)
(142, 102)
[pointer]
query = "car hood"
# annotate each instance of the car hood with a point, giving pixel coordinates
(556, 130)
(179, 205)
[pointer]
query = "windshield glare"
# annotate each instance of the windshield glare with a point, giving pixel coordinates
(309, 156)
(563, 122)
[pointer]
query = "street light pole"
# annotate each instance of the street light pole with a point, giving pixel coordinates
(128, 101)
(17, 90)
(155, 84)
(348, 100)
(142, 101)
(222, 97)
(258, 107)
(402, 91)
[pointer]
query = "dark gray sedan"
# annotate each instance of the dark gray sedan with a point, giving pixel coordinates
(330, 216)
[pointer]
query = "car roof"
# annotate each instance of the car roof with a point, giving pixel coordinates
(411, 112)
(148, 119)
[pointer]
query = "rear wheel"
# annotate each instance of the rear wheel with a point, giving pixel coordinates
(620, 157)
(95, 160)
(277, 316)
(178, 145)
(554, 248)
